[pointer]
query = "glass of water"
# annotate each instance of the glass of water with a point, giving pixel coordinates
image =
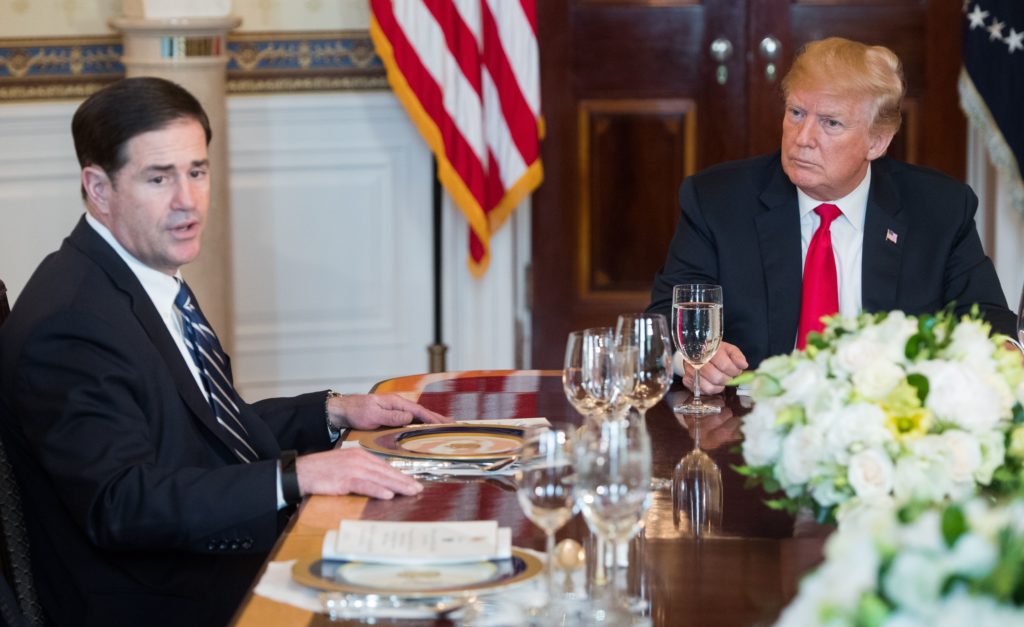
(697, 328)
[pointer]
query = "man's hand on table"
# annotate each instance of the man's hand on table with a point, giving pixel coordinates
(727, 363)
(352, 471)
(369, 411)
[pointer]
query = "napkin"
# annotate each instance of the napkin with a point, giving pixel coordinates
(441, 542)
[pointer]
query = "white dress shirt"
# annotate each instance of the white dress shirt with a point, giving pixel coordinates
(847, 240)
(162, 289)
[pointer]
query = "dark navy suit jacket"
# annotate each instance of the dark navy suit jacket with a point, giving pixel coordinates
(139, 514)
(740, 228)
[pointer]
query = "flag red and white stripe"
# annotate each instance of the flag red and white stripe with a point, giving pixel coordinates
(467, 71)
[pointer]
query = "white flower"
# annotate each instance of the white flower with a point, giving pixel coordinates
(958, 395)
(801, 450)
(922, 472)
(964, 454)
(761, 438)
(853, 428)
(871, 474)
(877, 379)
(914, 582)
(856, 352)
(972, 346)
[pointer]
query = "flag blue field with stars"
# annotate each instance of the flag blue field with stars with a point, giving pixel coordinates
(992, 82)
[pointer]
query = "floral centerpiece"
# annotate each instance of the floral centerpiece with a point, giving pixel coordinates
(885, 407)
(935, 567)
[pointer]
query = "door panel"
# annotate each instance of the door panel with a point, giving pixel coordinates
(634, 100)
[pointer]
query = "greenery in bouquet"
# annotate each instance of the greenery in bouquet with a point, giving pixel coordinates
(938, 566)
(886, 408)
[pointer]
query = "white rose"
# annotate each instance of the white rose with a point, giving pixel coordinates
(964, 455)
(877, 379)
(854, 353)
(914, 582)
(903, 619)
(963, 608)
(893, 333)
(802, 383)
(971, 345)
(959, 396)
(853, 428)
(761, 438)
(871, 474)
(987, 521)
(924, 534)
(826, 493)
(921, 472)
(801, 449)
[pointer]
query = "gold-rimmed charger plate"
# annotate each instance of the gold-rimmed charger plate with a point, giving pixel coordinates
(452, 442)
(416, 580)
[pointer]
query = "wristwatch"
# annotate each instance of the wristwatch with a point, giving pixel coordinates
(332, 429)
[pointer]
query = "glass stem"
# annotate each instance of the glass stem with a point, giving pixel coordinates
(550, 571)
(615, 574)
(696, 387)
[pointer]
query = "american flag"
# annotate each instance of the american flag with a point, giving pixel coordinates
(991, 85)
(467, 72)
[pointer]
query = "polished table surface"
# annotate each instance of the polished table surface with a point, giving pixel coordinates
(743, 574)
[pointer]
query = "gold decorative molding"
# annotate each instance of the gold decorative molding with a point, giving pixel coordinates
(62, 68)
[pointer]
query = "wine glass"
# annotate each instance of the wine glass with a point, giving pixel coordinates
(697, 490)
(572, 375)
(613, 477)
(645, 338)
(697, 326)
(603, 374)
(544, 488)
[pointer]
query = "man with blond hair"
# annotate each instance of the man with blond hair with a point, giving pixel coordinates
(828, 224)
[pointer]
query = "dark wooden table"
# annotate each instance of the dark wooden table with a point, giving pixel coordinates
(743, 574)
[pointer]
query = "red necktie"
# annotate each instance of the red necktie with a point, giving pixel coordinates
(820, 293)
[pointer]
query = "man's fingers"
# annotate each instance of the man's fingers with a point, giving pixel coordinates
(415, 409)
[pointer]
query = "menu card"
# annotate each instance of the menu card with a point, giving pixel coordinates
(441, 542)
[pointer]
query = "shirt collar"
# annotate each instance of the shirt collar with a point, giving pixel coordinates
(161, 288)
(853, 205)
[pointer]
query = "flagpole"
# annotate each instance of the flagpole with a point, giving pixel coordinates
(436, 351)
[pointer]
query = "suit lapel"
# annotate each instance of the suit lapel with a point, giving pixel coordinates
(92, 244)
(778, 231)
(885, 231)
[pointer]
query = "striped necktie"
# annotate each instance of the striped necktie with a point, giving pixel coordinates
(214, 371)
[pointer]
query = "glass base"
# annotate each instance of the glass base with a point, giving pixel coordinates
(699, 409)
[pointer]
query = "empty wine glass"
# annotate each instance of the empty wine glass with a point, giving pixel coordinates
(645, 339)
(544, 487)
(572, 375)
(613, 476)
(697, 491)
(603, 374)
(697, 327)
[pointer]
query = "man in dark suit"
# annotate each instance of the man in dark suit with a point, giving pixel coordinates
(896, 236)
(152, 491)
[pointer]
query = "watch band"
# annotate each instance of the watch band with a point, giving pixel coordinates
(332, 429)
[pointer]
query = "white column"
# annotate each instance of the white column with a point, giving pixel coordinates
(191, 51)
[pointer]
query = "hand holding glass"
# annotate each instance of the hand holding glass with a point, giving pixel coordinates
(697, 327)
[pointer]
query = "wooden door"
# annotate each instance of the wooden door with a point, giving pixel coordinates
(637, 94)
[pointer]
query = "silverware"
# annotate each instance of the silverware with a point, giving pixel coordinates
(341, 606)
(418, 466)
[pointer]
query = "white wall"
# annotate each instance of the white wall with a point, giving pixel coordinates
(331, 240)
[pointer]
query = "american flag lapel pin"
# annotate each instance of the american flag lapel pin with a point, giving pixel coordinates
(890, 236)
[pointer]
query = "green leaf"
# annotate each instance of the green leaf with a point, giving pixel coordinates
(920, 383)
(954, 524)
(743, 378)
(872, 611)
